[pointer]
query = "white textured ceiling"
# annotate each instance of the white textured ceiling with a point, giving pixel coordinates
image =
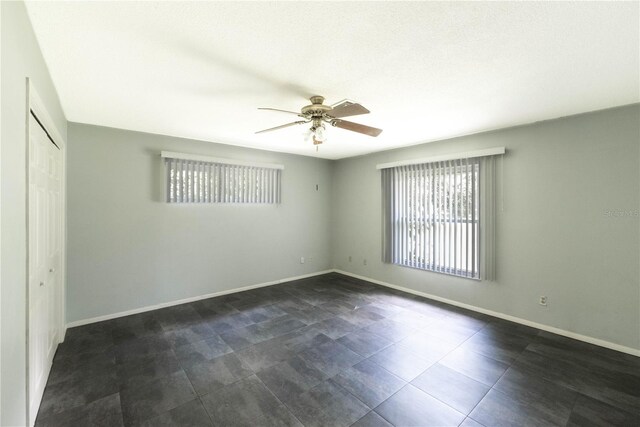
(426, 71)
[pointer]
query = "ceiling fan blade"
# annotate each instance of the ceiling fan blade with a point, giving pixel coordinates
(356, 127)
(282, 111)
(299, 122)
(347, 109)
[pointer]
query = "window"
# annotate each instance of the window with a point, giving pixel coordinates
(438, 216)
(200, 179)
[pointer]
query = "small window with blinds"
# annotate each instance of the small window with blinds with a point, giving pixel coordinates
(433, 216)
(199, 179)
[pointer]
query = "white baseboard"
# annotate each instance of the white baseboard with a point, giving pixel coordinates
(552, 329)
(190, 299)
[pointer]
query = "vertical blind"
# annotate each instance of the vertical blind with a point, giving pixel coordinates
(439, 216)
(197, 181)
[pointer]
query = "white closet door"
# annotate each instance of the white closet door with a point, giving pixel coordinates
(45, 180)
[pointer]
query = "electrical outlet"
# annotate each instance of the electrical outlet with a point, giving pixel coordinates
(301, 260)
(349, 258)
(364, 261)
(543, 300)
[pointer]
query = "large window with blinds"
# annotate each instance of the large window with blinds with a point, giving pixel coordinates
(199, 179)
(434, 216)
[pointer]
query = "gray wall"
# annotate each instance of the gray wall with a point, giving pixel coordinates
(21, 58)
(128, 249)
(554, 236)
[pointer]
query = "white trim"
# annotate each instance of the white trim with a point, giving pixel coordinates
(199, 158)
(37, 105)
(554, 330)
(1, 234)
(190, 299)
(495, 151)
(39, 108)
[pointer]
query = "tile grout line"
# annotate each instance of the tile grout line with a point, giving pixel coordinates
(205, 410)
(438, 361)
(317, 303)
(181, 364)
(496, 382)
(278, 399)
(410, 382)
(501, 376)
(573, 406)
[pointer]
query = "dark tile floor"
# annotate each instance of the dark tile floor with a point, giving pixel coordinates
(332, 351)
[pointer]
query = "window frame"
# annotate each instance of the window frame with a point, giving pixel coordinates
(192, 178)
(440, 252)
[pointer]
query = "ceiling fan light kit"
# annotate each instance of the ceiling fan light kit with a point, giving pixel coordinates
(317, 113)
(319, 133)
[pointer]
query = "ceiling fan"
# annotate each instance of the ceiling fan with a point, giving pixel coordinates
(318, 114)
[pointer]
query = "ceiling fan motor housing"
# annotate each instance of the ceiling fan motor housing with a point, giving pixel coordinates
(317, 109)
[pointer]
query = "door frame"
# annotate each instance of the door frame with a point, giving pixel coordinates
(34, 103)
